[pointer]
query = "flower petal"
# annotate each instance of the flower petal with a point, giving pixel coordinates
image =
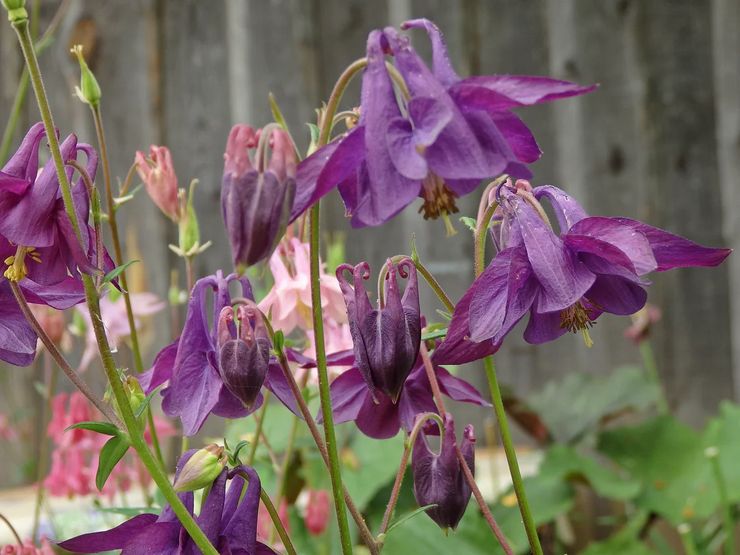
(115, 538)
(542, 328)
(276, 382)
(17, 338)
(616, 295)
(379, 421)
(348, 394)
(458, 389)
(441, 64)
(567, 209)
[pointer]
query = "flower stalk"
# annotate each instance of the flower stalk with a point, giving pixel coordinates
(21, 26)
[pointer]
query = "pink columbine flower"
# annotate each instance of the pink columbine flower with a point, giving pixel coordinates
(318, 508)
(158, 174)
(289, 301)
(115, 321)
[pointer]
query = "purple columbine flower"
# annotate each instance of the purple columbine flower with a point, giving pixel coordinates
(380, 418)
(439, 478)
(564, 280)
(386, 340)
(256, 200)
(244, 357)
(450, 134)
(229, 524)
(191, 363)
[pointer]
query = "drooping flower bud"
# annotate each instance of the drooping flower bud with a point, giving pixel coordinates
(89, 89)
(244, 352)
(201, 469)
(439, 478)
(386, 340)
(158, 174)
(318, 511)
(16, 10)
(257, 195)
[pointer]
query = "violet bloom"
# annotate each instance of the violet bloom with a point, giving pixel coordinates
(32, 215)
(380, 418)
(450, 134)
(229, 524)
(191, 363)
(564, 281)
(439, 478)
(386, 340)
(256, 200)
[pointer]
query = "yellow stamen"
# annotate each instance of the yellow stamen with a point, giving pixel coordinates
(439, 201)
(576, 318)
(17, 268)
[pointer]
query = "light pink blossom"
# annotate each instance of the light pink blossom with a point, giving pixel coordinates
(160, 180)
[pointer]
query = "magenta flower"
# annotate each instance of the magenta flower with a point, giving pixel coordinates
(450, 134)
(229, 523)
(256, 200)
(564, 281)
(191, 364)
(439, 478)
(159, 177)
(386, 340)
(381, 418)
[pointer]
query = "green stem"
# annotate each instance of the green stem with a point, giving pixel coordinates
(479, 239)
(275, 516)
(516, 475)
(258, 431)
(435, 285)
(93, 302)
(113, 223)
(712, 453)
(687, 540)
(651, 368)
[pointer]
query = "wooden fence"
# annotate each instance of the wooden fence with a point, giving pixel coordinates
(659, 140)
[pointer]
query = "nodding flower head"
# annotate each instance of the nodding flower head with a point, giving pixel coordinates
(439, 478)
(158, 174)
(243, 351)
(257, 192)
(386, 339)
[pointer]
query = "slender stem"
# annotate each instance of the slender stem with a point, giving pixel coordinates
(58, 357)
(275, 516)
(516, 475)
(687, 540)
(92, 193)
(50, 376)
(12, 529)
(409, 445)
(318, 318)
(479, 239)
(258, 431)
(712, 453)
(469, 478)
(651, 368)
(435, 285)
(367, 536)
(135, 435)
(190, 273)
(113, 223)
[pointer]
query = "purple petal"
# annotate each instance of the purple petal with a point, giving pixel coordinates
(402, 147)
(161, 370)
(501, 158)
(458, 389)
(543, 327)
(209, 518)
(348, 394)
(625, 238)
(17, 338)
(229, 406)
(673, 251)
(503, 92)
(161, 538)
(518, 136)
(278, 384)
(115, 538)
(61, 295)
(241, 531)
(381, 420)
(24, 163)
(567, 209)
(194, 394)
(441, 64)
(616, 295)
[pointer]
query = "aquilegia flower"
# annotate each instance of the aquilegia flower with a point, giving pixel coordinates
(256, 200)
(566, 281)
(450, 134)
(229, 522)
(192, 363)
(159, 177)
(381, 418)
(439, 478)
(386, 340)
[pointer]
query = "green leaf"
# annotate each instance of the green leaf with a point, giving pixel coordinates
(668, 458)
(469, 222)
(145, 403)
(624, 541)
(723, 432)
(277, 114)
(435, 334)
(105, 428)
(408, 516)
(110, 454)
(279, 341)
(591, 399)
(565, 462)
(117, 271)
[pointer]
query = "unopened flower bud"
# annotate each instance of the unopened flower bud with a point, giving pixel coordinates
(244, 352)
(318, 510)
(201, 469)
(89, 90)
(387, 339)
(257, 195)
(16, 10)
(159, 177)
(439, 478)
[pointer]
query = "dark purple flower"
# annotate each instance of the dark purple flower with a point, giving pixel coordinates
(383, 419)
(439, 478)
(386, 340)
(256, 200)
(450, 134)
(32, 216)
(191, 364)
(243, 357)
(229, 524)
(564, 281)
